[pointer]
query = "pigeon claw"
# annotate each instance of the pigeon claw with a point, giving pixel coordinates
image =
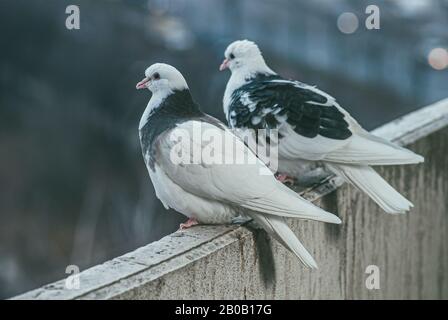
(188, 224)
(285, 179)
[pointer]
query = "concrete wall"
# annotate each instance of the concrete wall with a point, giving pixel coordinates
(221, 262)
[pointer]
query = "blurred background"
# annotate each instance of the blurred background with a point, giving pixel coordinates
(73, 185)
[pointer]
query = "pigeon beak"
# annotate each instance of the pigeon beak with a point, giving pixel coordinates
(142, 84)
(224, 65)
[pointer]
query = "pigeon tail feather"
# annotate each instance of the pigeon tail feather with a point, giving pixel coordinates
(368, 149)
(278, 228)
(285, 202)
(369, 181)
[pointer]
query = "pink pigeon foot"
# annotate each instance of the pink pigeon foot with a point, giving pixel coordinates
(188, 224)
(285, 179)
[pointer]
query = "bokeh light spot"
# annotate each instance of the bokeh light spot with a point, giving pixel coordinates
(348, 23)
(438, 58)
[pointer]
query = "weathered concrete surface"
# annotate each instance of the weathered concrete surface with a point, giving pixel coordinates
(208, 262)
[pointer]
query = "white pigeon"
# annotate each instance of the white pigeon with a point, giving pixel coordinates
(175, 137)
(312, 127)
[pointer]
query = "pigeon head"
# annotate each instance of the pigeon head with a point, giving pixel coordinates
(244, 55)
(161, 77)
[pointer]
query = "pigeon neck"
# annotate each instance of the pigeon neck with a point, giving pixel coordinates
(177, 104)
(243, 75)
(246, 73)
(156, 100)
(252, 68)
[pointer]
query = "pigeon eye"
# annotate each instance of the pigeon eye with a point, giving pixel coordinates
(232, 56)
(156, 76)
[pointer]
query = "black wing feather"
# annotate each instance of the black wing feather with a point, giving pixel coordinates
(274, 101)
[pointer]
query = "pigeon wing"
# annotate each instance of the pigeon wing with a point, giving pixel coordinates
(270, 102)
(312, 124)
(191, 156)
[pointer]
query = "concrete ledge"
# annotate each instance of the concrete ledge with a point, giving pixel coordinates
(219, 262)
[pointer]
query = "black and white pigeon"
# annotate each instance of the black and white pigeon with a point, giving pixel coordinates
(234, 184)
(312, 127)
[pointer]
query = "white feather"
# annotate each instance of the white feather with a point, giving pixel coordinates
(371, 150)
(278, 228)
(367, 180)
(247, 182)
(294, 146)
(173, 196)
